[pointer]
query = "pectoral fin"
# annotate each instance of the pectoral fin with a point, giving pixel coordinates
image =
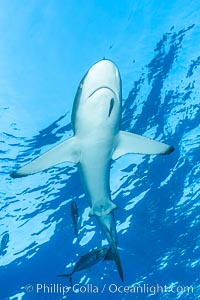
(66, 151)
(132, 143)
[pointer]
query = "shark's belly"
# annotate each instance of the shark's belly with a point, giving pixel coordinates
(94, 169)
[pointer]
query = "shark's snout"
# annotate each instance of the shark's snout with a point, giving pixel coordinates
(103, 74)
(104, 67)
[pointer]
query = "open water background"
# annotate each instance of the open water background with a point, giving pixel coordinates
(46, 48)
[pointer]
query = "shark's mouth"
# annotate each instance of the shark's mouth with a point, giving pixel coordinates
(102, 87)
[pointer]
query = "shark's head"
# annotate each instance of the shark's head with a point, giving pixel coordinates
(98, 98)
(102, 75)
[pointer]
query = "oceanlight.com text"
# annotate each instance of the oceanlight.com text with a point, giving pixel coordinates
(57, 288)
(149, 289)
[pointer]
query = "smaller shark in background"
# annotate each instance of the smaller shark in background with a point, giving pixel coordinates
(97, 140)
(88, 260)
(74, 215)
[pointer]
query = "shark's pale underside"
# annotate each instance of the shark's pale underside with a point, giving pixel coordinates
(96, 141)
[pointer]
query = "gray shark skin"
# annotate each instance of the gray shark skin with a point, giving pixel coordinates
(97, 140)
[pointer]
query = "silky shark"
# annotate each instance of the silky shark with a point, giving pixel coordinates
(88, 260)
(97, 140)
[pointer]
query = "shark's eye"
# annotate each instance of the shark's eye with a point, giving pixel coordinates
(112, 101)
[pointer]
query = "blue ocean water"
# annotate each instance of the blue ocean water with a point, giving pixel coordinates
(46, 49)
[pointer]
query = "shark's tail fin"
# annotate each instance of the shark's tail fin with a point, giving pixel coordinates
(69, 276)
(115, 255)
(107, 224)
(109, 255)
